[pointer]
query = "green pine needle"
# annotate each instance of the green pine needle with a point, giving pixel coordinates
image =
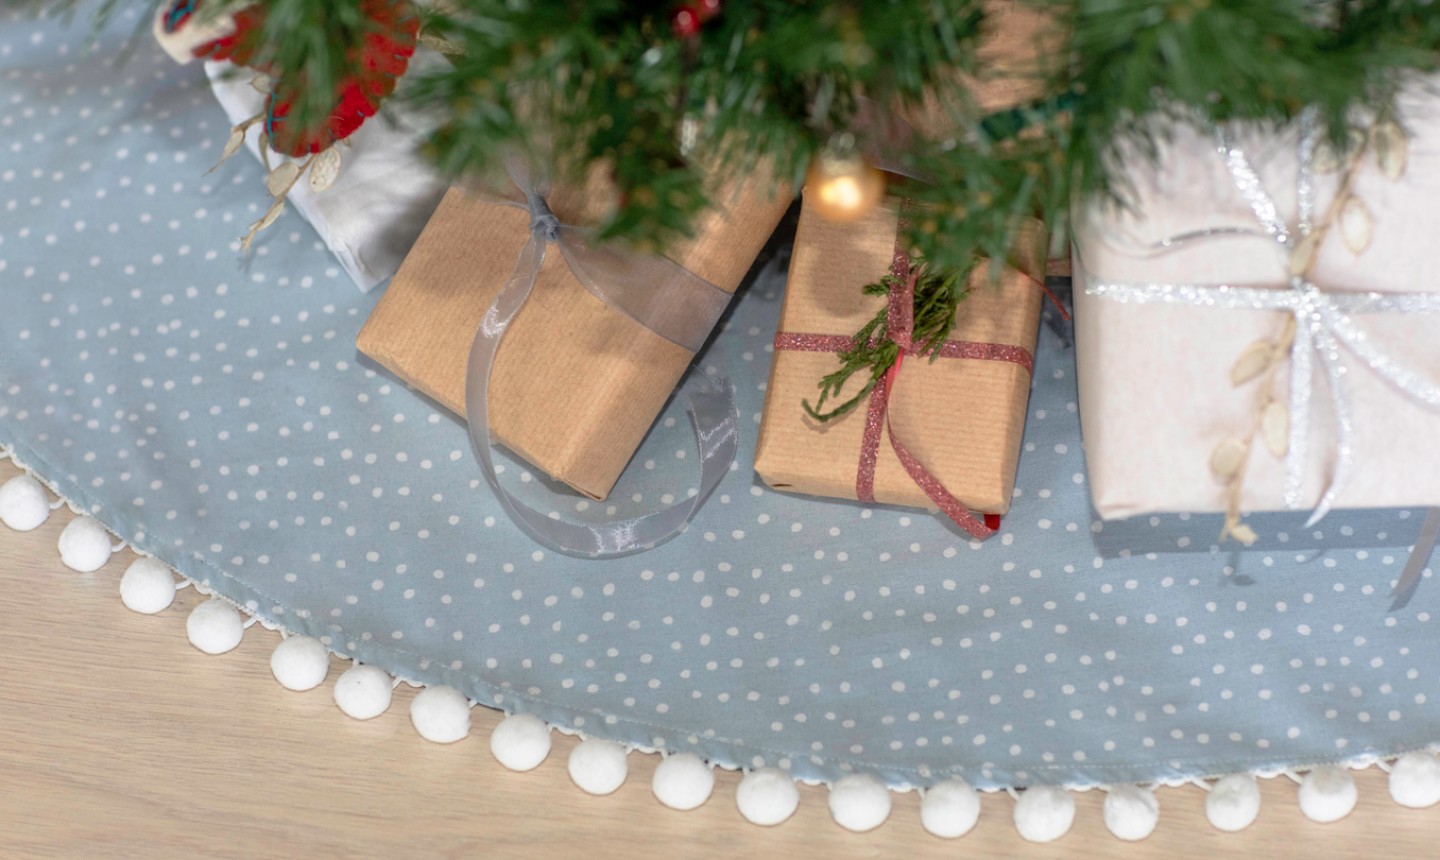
(937, 296)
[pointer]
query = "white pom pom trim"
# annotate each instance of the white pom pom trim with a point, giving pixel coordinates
(85, 545)
(300, 663)
(23, 503)
(1131, 812)
(859, 802)
(441, 714)
(363, 692)
(1233, 803)
(215, 626)
(1415, 780)
(1327, 794)
(767, 796)
(520, 742)
(148, 586)
(683, 781)
(598, 767)
(949, 808)
(1044, 813)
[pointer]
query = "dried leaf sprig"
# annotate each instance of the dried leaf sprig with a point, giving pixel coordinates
(1271, 421)
(323, 167)
(937, 295)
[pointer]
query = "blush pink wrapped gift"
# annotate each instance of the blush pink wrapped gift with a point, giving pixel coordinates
(1223, 248)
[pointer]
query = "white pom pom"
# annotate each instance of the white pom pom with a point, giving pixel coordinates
(147, 586)
(767, 796)
(1233, 803)
(598, 767)
(1131, 812)
(683, 781)
(23, 503)
(1415, 780)
(949, 810)
(214, 626)
(441, 714)
(520, 742)
(1327, 794)
(1044, 813)
(859, 802)
(84, 545)
(363, 692)
(300, 663)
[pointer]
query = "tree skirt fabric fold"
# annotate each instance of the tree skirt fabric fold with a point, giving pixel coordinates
(212, 410)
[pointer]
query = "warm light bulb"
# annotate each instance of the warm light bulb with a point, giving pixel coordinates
(842, 184)
(842, 192)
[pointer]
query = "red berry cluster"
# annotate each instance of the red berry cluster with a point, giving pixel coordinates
(691, 16)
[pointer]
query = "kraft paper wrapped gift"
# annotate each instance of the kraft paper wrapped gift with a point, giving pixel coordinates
(576, 384)
(1156, 396)
(961, 418)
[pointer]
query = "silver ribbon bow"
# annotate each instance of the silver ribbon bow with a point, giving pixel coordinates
(1324, 320)
(656, 292)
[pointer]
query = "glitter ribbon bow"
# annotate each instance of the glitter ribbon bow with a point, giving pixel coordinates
(656, 292)
(1324, 319)
(900, 324)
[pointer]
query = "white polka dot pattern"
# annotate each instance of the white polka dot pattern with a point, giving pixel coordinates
(211, 410)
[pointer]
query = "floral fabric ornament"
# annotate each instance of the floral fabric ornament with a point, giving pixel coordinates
(379, 59)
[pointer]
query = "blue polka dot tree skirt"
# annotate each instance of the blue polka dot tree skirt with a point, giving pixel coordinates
(212, 410)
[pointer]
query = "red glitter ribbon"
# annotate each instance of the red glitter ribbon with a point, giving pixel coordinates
(900, 324)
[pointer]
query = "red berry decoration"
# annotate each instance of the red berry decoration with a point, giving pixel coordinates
(687, 22)
(241, 46)
(708, 9)
(377, 65)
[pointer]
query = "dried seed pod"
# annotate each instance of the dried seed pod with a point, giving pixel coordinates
(1227, 458)
(1255, 360)
(1275, 424)
(1356, 225)
(232, 145)
(282, 178)
(268, 219)
(1326, 159)
(1303, 255)
(1287, 337)
(324, 169)
(1391, 148)
(1243, 533)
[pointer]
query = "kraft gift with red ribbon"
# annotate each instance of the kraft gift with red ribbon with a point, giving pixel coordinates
(942, 431)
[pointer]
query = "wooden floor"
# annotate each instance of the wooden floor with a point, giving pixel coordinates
(118, 739)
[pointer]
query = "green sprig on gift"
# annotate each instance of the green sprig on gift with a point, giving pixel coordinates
(937, 297)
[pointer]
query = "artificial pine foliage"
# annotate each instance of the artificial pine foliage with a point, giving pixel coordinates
(661, 90)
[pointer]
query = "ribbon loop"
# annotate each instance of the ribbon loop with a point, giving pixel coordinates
(659, 294)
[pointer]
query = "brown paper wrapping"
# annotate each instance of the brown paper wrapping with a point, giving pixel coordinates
(576, 385)
(961, 418)
(1155, 390)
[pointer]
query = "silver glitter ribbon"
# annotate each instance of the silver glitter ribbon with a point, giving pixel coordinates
(1325, 320)
(656, 292)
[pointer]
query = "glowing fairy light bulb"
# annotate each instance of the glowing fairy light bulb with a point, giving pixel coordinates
(843, 184)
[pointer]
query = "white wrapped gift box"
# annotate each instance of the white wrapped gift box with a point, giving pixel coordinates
(1156, 396)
